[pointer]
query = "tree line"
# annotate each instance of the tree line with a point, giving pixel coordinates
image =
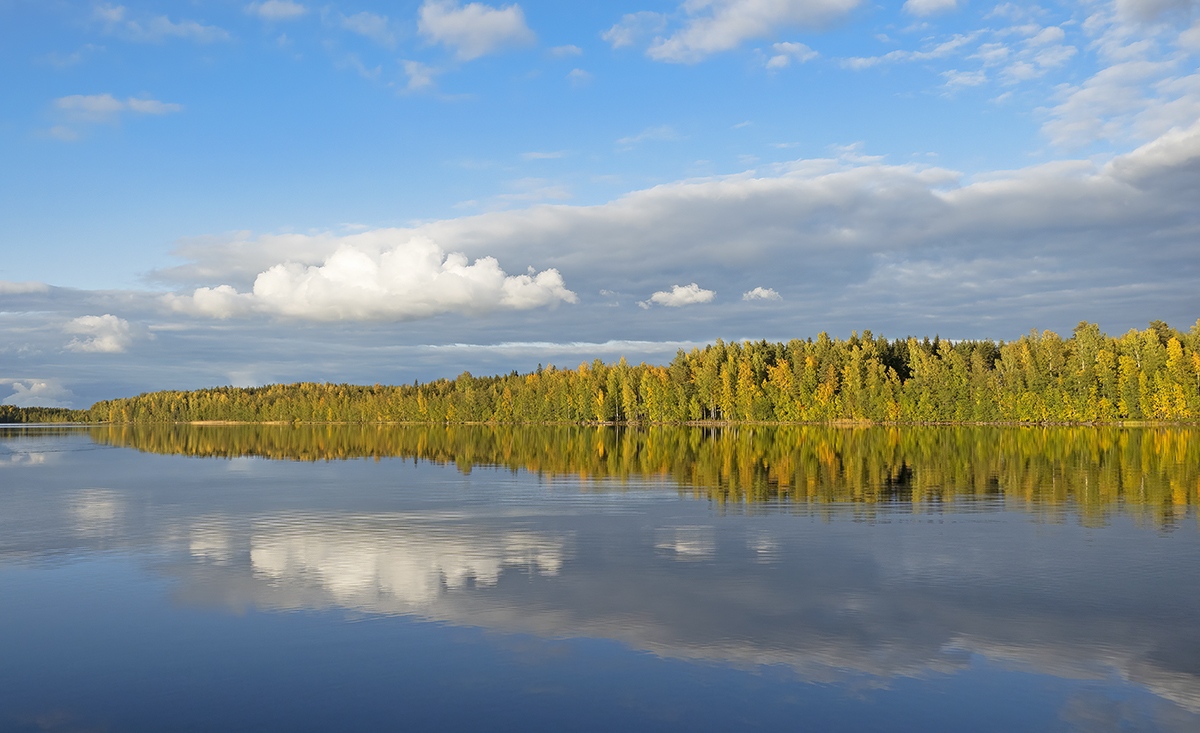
(11, 414)
(1151, 374)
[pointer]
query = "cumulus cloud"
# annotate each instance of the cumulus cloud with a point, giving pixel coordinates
(713, 26)
(106, 334)
(784, 53)
(222, 301)
(922, 8)
(761, 293)
(679, 295)
(411, 279)
(37, 393)
(273, 10)
(1044, 246)
(116, 20)
(475, 29)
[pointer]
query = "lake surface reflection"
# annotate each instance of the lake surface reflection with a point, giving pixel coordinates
(924, 579)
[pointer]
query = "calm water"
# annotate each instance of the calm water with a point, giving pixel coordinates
(295, 579)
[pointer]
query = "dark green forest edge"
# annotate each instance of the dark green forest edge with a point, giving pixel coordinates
(1148, 375)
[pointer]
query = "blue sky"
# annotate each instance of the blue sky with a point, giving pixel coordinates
(209, 192)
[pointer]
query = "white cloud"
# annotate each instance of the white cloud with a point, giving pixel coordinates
(1047, 36)
(579, 78)
(1120, 102)
(661, 133)
(360, 280)
(106, 334)
(372, 566)
(90, 105)
(1041, 52)
(540, 155)
(1054, 56)
(632, 28)
(106, 107)
(923, 8)
(713, 26)
(761, 293)
(87, 109)
(420, 76)
(7, 287)
(474, 30)
(370, 25)
(274, 10)
(152, 106)
(955, 78)
(37, 393)
(1190, 39)
(992, 54)
(1142, 92)
(222, 301)
(1114, 243)
(157, 29)
(785, 53)
(679, 295)
(562, 52)
(941, 50)
(1014, 12)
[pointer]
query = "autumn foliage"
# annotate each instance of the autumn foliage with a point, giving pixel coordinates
(1148, 375)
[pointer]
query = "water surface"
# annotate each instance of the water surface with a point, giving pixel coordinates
(363, 578)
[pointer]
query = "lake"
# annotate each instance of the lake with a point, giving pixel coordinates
(364, 578)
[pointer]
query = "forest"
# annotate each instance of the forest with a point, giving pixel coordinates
(1143, 375)
(11, 414)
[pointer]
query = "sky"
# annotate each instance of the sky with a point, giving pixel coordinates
(208, 192)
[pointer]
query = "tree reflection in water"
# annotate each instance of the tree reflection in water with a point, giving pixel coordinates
(1152, 473)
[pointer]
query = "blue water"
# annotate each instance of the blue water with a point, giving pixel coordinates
(144, 592)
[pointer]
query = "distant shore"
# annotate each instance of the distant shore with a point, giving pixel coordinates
(1143, 377)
